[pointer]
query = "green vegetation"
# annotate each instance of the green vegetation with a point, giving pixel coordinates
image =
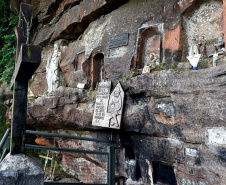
(174, 66)
(81, 132)
(7, 41)
(8, 22)
(3, 125)
(140, 103)
(133, 74)
(94, 92)
(211, 41)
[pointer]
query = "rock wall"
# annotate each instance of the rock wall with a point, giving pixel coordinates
(173, 121)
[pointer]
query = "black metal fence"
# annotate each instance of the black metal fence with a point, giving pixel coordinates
(71, 166)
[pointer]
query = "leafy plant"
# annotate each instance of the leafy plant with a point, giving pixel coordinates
(7, 42)
(174, 66)
(211, 41)
(133, 74)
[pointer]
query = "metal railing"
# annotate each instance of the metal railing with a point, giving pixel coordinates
(110, 153)
(2, 144)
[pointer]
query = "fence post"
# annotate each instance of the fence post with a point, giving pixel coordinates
(111, 165)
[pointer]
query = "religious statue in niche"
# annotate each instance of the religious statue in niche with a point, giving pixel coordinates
(52, 70)
(202, 46)
(194, 55)
(154, 61)
(194, 48)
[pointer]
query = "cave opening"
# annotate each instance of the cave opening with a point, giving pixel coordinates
(163, 174)
(133, 168)
(98, 70)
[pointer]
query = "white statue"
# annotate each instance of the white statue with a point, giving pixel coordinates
(194, 55)
(52, 70)
(154, 60)
(194, 48)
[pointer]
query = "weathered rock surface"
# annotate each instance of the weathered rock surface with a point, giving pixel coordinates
(174, 110)
(66, 109)
(69, 23)
(171, 119)
(5, 92)
(20, 169)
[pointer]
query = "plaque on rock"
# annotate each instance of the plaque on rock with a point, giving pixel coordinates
(101, 104)
(115, 107)
(119, 40)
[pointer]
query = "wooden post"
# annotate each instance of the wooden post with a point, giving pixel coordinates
(28, 60)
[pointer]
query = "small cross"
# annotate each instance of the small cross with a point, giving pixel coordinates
(54, 160)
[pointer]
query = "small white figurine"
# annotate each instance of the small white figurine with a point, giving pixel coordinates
(52, 70)
(194, 48)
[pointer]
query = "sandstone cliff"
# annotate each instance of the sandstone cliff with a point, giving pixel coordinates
(173, 118)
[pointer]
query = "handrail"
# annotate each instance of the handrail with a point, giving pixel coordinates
(64, 149)
(4, 138)
(110, 152)
(52, 183)
(5, 151)
(67, 136)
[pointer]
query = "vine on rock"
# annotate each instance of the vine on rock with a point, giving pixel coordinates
(8, 22)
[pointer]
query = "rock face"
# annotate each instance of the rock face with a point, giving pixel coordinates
(173, 121)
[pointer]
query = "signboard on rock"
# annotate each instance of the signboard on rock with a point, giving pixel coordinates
(191, 152)
(101, 103)
(216, 135)
(119, 40)
(108, 111)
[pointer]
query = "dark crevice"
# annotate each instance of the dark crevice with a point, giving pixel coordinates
(72, 4)
(221, 74)
(133, 168)
(138, 171)
(53, 7)
(222, 84)
(69, 6)
(163, 174)
(193, 7)
(129, 152)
